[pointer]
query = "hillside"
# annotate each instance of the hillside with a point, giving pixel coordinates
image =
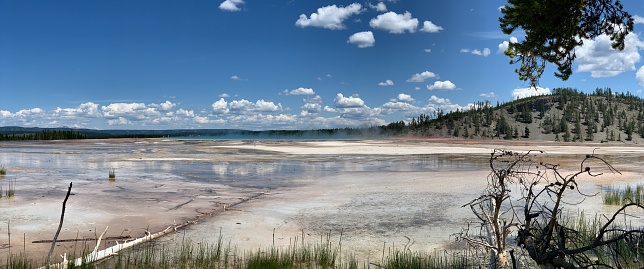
(566, 115)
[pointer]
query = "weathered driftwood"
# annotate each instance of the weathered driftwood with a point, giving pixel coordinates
(122, 237)
(97, 255)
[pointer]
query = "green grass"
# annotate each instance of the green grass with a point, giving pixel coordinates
(18, 261)
(320, 255)
(620, 196)
(588, 227)
(112, 174)
(3, 171)
(11, 190)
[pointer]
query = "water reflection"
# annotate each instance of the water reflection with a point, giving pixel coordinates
(51, 162)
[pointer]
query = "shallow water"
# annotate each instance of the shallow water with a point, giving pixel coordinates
(373, 198)
(160, 176)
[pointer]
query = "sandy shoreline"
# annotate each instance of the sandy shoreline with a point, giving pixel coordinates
(374, 191)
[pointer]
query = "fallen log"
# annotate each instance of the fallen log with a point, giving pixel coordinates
(123, 237)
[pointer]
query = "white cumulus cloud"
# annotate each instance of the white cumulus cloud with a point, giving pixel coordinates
(485, 52)
(488, 95)
(395, 23)
(601, 60)
(329, 17)
(265, 106)
(119, 121)
(386, 83)
(231, 5)
(441, 86)
(527, 92)
(638, 19)
(505, 44)
(88, 109)
(639, 76)
(348, 102)
(299, 91)
(379, 7)
(430, 27)
(421, 77)
(220, 107)
(404, 97)
(435, 103)
(362, 39)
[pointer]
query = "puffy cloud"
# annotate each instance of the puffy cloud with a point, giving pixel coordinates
(186, 113)
(442, 86)
(243, 106)
(430, 27)
(201, 120)
(358, 113)
(311, 107)
(527, 92)
(421, 77)
(435, 103)
(299, 91)
(362, 39)
(379, 7)
(5, 114)
(231, 5)
(404, 97)
(329, 109)
(488, 95)
(234, 77)
(639, 76)
(386, 83)
(348, 102)
(601, 60)
(505, 44)
(395, 23)
(428, 50)
(329, 17)
(88, 109)
(240, 106)
(119, 121)
(33, 112)
(220, 107)
(167, 105)
(129, 111)
(224, 95)
(638, 19)
(484, 53)
(397, 106)
(264, 106)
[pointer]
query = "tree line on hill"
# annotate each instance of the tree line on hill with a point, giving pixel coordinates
(44, 135)
(566, 115)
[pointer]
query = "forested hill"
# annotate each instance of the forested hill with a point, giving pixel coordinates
(566, 115)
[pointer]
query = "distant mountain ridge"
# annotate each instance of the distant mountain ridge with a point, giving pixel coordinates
(565, 115)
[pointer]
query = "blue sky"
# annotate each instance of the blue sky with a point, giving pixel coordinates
(290, 64)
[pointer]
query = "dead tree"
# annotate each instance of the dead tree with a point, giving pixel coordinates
(532, 219)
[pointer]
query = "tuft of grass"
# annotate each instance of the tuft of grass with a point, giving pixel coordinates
(112, 174)
(11, 190)
(620, 196)
(19, 261)
(320, 255)
(3, 171)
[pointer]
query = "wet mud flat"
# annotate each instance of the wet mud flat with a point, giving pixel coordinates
(373, 192)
